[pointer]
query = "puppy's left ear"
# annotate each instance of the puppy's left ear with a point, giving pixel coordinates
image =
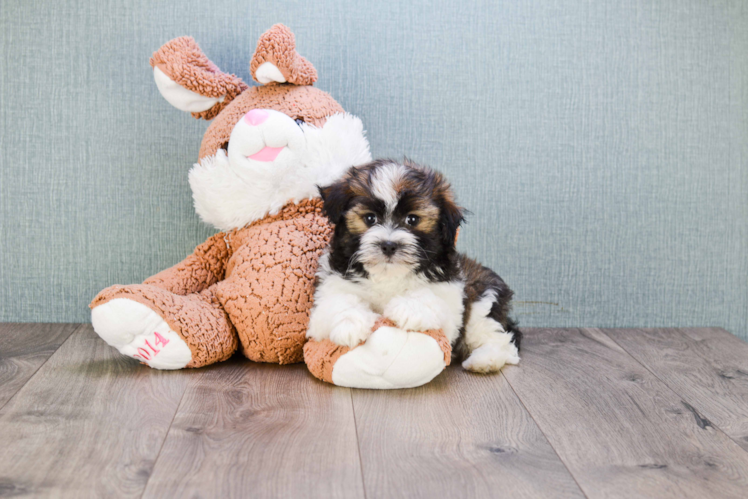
(335, 200)
(449, 222)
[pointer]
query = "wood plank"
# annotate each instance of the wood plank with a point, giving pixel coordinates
(260, 430)
(24, 347)
(619, 429)
(708, 367)
(462, 435)
(90, 423)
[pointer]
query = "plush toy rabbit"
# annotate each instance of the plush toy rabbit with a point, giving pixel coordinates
(249, 287)
(260, 163)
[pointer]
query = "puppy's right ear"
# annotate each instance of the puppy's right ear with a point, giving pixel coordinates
(190, 81)
(335, 200)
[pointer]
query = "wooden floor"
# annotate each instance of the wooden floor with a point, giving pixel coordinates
(596, 413)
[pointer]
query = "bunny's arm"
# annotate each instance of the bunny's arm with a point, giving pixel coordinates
(204, 267)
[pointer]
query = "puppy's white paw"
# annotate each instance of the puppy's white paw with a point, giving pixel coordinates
(491, 358)
(352, 328)
(138, 332)
(416, 312)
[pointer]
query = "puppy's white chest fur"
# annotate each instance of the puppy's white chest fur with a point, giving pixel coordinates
(399, 294)
(385, 282)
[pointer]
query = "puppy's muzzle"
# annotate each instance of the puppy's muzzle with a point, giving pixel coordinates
(389, 248)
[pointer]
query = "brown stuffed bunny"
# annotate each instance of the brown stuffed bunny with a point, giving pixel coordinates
(260, 163)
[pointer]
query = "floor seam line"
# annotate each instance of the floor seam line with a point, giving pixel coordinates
(545, 436)
(166, 436)
(79, 327)
(358, 444)
(682, 398)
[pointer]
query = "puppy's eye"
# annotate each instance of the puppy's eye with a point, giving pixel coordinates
(412, 220)
(370, 219)
(299, 121)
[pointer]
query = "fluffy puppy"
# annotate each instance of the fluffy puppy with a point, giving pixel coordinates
(393, 254)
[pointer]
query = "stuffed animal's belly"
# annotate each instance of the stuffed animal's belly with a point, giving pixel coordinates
(269, 287)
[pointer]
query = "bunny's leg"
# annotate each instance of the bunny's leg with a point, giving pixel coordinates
(162, 329)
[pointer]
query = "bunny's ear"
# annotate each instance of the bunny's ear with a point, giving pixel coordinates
(190, 81)
(276, 59)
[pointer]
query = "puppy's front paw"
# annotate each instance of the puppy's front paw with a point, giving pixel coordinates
(491, 358)
(415, 313)
(352, 329)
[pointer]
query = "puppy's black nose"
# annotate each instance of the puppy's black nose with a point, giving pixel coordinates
(388, 248)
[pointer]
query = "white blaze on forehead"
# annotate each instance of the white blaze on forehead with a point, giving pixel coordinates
(384, 184)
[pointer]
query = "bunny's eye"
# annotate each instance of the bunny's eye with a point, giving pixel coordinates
(370, 219)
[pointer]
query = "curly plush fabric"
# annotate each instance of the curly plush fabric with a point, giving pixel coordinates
(269, 281)
(182, 60)
(206, 266)
(278, 46)
(443, 342)
(320, 358)
(308, 103)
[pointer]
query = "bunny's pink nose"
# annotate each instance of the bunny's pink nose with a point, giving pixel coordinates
(256, 116)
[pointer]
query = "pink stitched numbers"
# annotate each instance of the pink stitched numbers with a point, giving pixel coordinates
(145, 354)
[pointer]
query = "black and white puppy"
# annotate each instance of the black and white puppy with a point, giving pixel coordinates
(393, 254)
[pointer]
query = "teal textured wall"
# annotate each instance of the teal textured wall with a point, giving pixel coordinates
(602, 146)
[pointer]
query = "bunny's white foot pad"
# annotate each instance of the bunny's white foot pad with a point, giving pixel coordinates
(391, 358)
(138, 332)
